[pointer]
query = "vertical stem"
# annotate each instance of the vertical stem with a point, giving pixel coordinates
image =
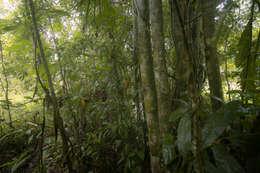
(226, 69)
(6, 90)
(62, 70)
(58, 121)
(160, 69)
(212, 62)
(148, 84)
(136, 64)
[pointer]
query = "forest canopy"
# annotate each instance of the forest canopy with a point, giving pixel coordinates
(133, 86)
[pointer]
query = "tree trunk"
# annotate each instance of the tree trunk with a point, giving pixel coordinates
(182, 64)
(6, 89)
(212, 63)
(189, 76)
(137, 97)
(160, 70)
(148, 84)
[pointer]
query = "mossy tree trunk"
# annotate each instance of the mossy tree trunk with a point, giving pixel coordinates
(189, 71)
(137, 98)
(6, 87)
(160, 70)
(212, 62)
(182, 64)
(148, 84)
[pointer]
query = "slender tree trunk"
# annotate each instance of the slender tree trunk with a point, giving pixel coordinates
(182, 64)
(137, 97)
(148, 84)
(58, 121)
(6, 89)
(160, 70)
(187, 44)
(212, 62)
(57, 50)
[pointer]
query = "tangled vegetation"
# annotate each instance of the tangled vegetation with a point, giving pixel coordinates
(133, 86)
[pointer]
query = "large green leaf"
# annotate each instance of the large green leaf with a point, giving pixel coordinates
(168, 149)
(217, 123)
(225, 161)
(176, 115)
(7, 25)
(184, 135)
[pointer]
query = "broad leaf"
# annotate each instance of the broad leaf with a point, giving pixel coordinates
(176, 115)
(217, 123)
(225, 161)
(168, 149)
(184, 135)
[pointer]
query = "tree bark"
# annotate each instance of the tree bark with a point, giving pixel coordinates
(6, 89)
(137, 87)
(148, 84)
(160, 69)
(189, 70)
(182, 64)
(212, 62)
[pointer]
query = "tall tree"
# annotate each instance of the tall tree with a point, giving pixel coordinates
(160, 71)
(6, 87)
(187, 45)
(137, 98)
(212, 62)
(148, 84)
(182, 69)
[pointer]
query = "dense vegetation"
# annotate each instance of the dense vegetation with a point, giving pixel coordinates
(130, 86)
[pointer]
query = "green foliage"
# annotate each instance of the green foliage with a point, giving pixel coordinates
(217, 123)
(85, 42)
(21, 160)
(168, 149)
(245, 60)
(184, 135)
(8, 25)
(18, 145)
(225, 161)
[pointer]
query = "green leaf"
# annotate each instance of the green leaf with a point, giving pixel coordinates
(58, 13)
(7, 164)
(141, 154)
(225, 161)
(23, 158)
(168, 149)
(176, 115)
(8, 25)
(184, 135)
(28, 97)
(217, 123)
